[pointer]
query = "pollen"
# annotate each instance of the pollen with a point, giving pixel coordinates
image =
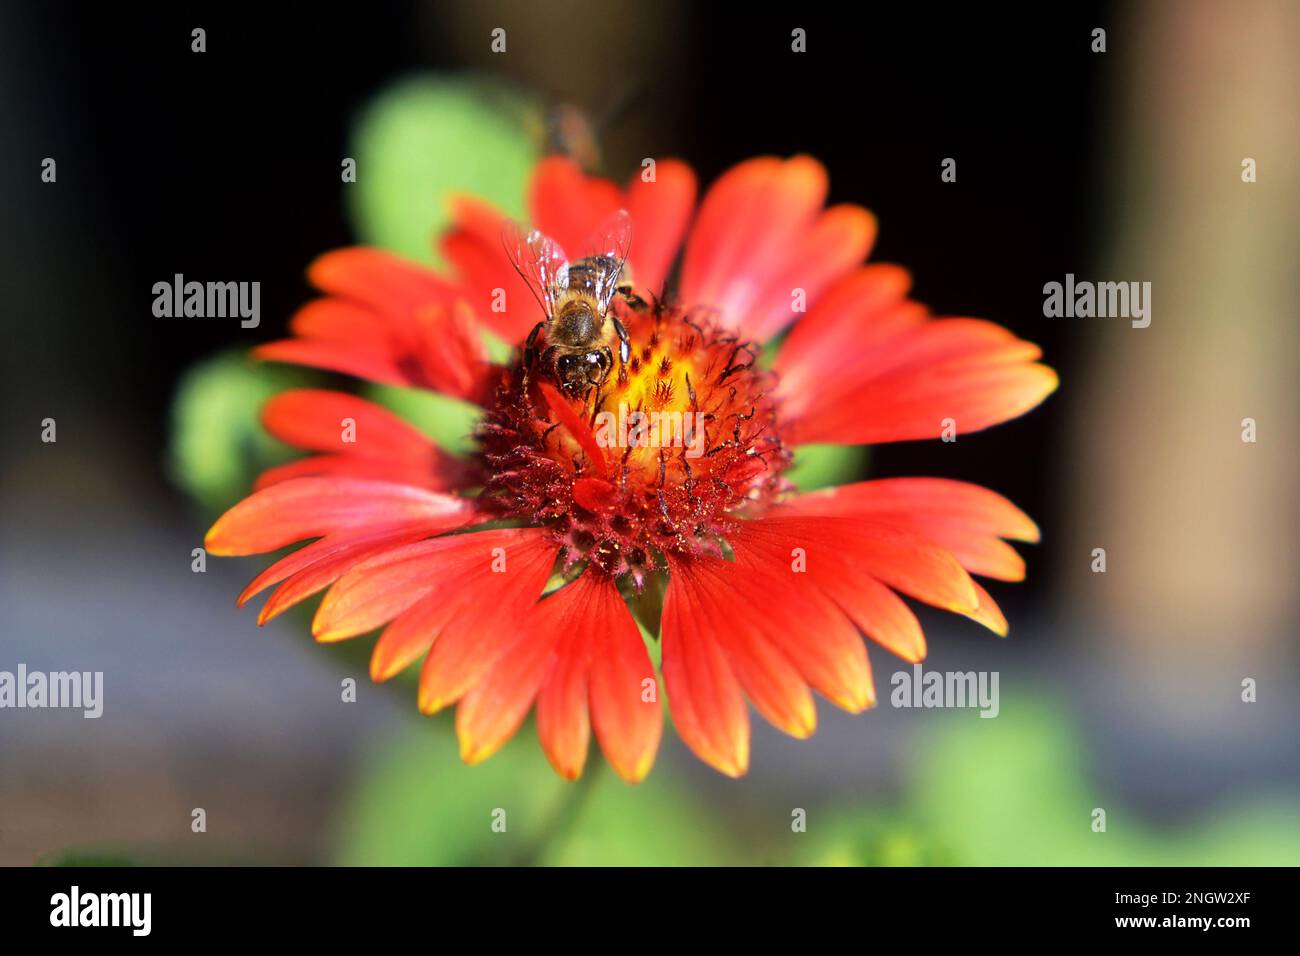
(662, 458)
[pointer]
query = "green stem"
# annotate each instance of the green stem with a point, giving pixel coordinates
(561, 820)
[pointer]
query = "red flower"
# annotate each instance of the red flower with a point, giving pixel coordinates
(767, 592)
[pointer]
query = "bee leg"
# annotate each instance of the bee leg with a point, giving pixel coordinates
(624, 349)
(530, 351)
(548, 366)
(629, 295)
(609, 363)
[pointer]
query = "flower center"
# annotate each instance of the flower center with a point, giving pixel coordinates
(661, 457)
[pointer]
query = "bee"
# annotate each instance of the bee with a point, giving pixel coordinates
(579, 328)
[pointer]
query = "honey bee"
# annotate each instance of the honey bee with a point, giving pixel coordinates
(579, 327)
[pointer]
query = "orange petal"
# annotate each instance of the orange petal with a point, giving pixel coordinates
(577, 428)
(393, 286)
(850, 558)
(837, 242)
(473, 246)
(624, 697)
(751, 635)
(375, 591)
(703, 693)
(749, 222)
(312, 507)
(496, 577)
(660, 211)
(965, 519)
(494, 708)
(486, 620)
(364, 362)
(989, 614)
(826, 597)
(566, 204)
(904, 561)
(314, 418)
(859, 386)
(313, 568)
(389, 320)
(437, 471)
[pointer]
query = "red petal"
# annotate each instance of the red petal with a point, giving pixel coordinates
(703, 693)
(832, 247)
(628, 719)
(752, 641)
(388, 320)
(342, 320)
(872, 607)
(563, 724)
(599, 661)
(566, 204)
(474, 248)
(494, 708)
(439, 472)
(312, 507)
(322, 573)
(493, 579)
(660, 211)
(313, 418)
(749, 222)
(965, 519)
(593, 625)
(866, 366)
(578, 429)
(335, 357)
(919, 403)
(384, 446)
(393, 286)
(483, 621)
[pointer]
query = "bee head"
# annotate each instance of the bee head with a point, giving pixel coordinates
(578, 371)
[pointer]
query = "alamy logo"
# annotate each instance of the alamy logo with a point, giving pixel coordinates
(1103, 300)
(921, 688)
(75, 908)
(208, 300)
(76, 690)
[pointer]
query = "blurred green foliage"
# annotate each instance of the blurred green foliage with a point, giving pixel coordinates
(218, 445)
(821, 466)
(1006, 792)
(417, 804)
(1014, 791)
(448, 421)
(427, 137)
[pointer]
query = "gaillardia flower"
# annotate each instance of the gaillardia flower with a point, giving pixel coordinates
(510, 572)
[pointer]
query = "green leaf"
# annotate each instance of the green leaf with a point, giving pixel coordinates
(426, 137)
(218, 445)
(1014, 792)
(448, 421)
(820, 466)
(869, 837)
(418, 805)
(653, 823)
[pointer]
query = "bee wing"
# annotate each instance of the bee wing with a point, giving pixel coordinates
(539, 260)
(608, 244)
